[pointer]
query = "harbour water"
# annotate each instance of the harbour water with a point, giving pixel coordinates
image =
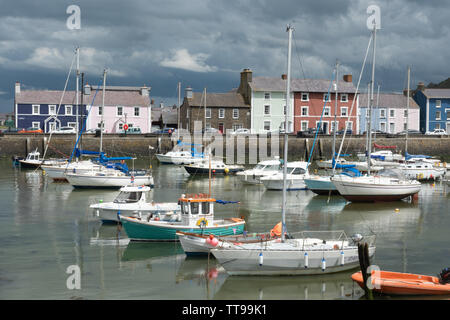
(46, 227)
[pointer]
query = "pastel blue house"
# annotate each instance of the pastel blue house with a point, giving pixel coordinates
(389, 114)
(42, 109)
(434, 108)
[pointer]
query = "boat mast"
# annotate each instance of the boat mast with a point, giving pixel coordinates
(371, 101)
(407, 113)
(76, 92)
(178, 111)
(285, 157)
(335, 116)
(103, 111)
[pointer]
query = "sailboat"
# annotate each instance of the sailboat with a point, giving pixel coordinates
(110, 175)
(311, 252)
(387, 185)
(419, 167)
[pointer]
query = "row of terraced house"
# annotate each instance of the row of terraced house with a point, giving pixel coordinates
(257, 104)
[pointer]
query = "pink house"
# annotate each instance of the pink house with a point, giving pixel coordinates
(123, 105)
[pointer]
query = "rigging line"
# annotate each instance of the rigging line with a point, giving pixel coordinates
(321, 116)
(354, 100)
(59, 107)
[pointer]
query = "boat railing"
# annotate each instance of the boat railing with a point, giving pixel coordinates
(333, 236)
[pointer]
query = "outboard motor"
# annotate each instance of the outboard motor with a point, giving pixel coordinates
(444, 276)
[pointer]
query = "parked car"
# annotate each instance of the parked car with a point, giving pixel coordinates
(240, 131)
(165, 131)
(410, 131)
(65, 130)
(436, 132)
(211, 130)
(132, 130)
(349, 131)
(30, 130)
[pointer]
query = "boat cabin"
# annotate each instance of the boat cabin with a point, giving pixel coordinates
(197, 210)
(132, 194)
(33, 156)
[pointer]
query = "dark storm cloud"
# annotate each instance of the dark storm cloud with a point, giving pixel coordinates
(207, 43)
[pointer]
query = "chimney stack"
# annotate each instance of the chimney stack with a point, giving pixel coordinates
(244, 87)
(421, 86)
(284, 76)
(17, 88)
(188, 93)
(347, 78)
(145, 91)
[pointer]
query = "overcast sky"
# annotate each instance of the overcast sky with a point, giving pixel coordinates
(204, 43)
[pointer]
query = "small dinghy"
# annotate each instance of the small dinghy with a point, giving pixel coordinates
(397, 283)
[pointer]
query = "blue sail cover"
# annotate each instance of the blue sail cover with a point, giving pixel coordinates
(342, 155)
(376, 156)
(420, 156)
(342, 166)
(226, 201)
(351, 172)
(194, 151)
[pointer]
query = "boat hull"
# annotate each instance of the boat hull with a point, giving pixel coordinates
(373, 190)
(321, 186)
(88, 181)
(282, 262)
(291, 184)
(205, 171)
(164, 159)
(396, 283)
(166, 231)
(109, 212)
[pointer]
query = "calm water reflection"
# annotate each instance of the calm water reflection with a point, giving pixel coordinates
(46, 227)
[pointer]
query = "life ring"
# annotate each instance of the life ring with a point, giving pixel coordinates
(201, 222)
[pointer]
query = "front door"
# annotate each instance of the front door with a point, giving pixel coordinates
(220, 127)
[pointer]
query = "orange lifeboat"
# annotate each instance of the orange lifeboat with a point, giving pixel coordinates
(397, 283)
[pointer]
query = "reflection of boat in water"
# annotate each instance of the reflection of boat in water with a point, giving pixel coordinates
(325, 204)
(329, 286)
(147, 250)
(198, 268)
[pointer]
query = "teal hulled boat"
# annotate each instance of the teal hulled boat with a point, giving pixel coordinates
(197, 216)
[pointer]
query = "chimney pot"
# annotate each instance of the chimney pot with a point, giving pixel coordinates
(347, 78)
(284, 76)
(17, 87)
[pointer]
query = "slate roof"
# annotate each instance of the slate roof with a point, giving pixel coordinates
(388, 100)
(437, 93)
(299, 85)
(114, 96)
(229, 99)
(169, 116)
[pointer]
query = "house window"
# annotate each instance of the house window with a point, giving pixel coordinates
(304, 125)
(392, 113)
(326, 112)
(325, 97)
(120, 126)
(437, 126)
(333, 125)
(438, 115)
(367, 112)
(349, 125)
(52, 109)
(136, 111)
(36, 124)
(267, 125)
(69, 110)
(100, 111)
(405, 126)
(221, 113)
(344, 111)
(383, 126)
(72, 124)
(235, 113)
(208, 113)
(208, 125)
(382, 113)
(391, 127)
(448, 114)
(344, 97)
(267, 110)
(305, 96)
(304, 111)
(284, 110)
(267, 96)
(438, 103)
(405, 113)
(99, 125)
(35, 109)
(119, 111)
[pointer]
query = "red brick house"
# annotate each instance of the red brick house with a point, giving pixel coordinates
(309, 100)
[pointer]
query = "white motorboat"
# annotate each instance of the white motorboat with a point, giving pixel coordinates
(107, 178)
(423, 170)
(381, 156)
(262, 169)
(131, 200)
(297, 171)
(218, 167)
(387, 185)
(34, 160)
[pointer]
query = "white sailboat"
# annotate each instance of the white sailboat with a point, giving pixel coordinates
(382, 187)
(308, 253)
